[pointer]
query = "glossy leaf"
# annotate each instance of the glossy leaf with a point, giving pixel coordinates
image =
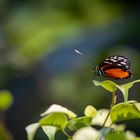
(31, 130)
(90, 111)
(125, 111)
(107, 84)
(118, 127)
(130, 135)
(100, 117)
(137, 105)
(79, 123)
(58, 108)
(54, 119)
(87, 133)
(50, 131)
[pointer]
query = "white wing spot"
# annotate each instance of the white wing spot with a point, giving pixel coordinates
(120, 58)
(123, 63)
(115, 57)
(119, 64)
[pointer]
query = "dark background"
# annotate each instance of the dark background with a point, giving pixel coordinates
(37, 59)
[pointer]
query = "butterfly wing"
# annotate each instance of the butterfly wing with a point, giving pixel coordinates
(116, 67)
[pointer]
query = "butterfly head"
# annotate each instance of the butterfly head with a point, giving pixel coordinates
(96, 70)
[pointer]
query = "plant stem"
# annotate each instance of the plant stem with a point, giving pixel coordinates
(66, 134)
(126, 95)
(112, 104)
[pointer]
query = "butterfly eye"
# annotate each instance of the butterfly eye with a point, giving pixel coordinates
(96, 70)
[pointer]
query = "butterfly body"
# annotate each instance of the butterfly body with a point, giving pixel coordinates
(114, 67)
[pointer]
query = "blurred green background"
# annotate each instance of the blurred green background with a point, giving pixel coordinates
(38, 64)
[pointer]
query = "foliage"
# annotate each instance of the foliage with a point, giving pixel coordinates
(6, 100)
(57, 117)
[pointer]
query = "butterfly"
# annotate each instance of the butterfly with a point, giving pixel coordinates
(114, 67)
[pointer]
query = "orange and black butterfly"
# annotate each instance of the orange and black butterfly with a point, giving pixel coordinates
(114, 67)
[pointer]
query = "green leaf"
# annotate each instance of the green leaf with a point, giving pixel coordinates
(31, 130)
(107, 84)
(125, 88)
(116, 136)
(118, 127)
(100, 117)
(58, 108)
(4, 132)
(125, 111)
(6, 100)
(112, 87)
(54, 119)
(137, 106)
(50, 131)
(79, 123)
(130, 84)
(90, 111)
(130, 135)
(87, 133)
(136, 138)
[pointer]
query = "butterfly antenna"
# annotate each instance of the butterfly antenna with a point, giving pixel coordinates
(89, 60)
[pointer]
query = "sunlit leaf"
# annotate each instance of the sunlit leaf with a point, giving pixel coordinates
(58, 108)
(80, 122)
(107, 84)
(50, 131)
(31, 130)
(6, 99)
(137, 106)
(54, 119)
(130, 135)
(125, 111)
(100, 117)
(90, 111)
(87, 133)
(118, 127)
